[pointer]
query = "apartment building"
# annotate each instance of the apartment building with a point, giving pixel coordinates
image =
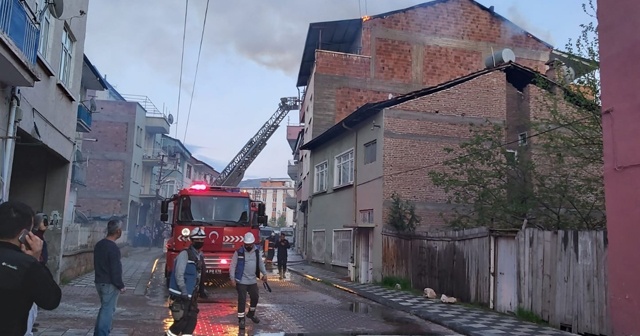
(278, 196)
(349, 63)
(128, 131)
(41, 71)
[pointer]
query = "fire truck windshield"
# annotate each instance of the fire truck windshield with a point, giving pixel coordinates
(218, 211)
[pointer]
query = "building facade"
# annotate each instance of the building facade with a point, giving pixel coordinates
(41, 69)
(621, 176)
(275, 193)
(348, 63)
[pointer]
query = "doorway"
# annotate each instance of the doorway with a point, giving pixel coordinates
(365, 240)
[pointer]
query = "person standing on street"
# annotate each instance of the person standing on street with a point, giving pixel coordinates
(283, 254)
(271, 245)
(184, 283)
(108, 276)
(40, 224)
(246, 266)
(23, 280)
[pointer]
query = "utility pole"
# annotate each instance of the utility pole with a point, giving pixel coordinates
(156, 203)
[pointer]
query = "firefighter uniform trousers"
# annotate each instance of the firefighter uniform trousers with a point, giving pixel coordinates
(187, 323)
(242, 299)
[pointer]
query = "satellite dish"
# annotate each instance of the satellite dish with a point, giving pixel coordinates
(92, 105)
(170, 119)
(56, 7)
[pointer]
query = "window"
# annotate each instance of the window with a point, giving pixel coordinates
(511, 156)
(522, 139)
(66, 58)
(188, 171)
(344, 169)
(216, 211)
(366, 216)
(370, 149)
(45, 30)
(320, 181)
(139, 136)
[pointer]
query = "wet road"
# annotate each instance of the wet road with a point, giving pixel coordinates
(296, 306)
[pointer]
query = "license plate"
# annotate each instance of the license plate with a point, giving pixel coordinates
(214, 271)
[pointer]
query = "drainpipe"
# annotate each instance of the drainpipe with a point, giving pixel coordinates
(355, 201)
(10, 143)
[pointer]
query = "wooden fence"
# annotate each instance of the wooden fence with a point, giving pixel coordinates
(560, 276)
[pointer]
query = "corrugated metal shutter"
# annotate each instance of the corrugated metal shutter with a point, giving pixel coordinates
(318, 245)
(341, 254)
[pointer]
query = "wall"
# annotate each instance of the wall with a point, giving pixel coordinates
(560, 276)
(620, 105)
(416, 133)
(109, 160)
(333, 208)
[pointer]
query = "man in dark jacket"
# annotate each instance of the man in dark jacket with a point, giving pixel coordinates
(283, 254)
(108, 276)
(23, 280)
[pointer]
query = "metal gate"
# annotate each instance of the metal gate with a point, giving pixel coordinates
(341, 248)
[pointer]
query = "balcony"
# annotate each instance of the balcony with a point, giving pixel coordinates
(291, 202)
(147, 191)
(152, 156)
(292, 170)
(19, 37)
(79, 175)
(83, 122)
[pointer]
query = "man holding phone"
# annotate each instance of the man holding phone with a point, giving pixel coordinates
(23, 279)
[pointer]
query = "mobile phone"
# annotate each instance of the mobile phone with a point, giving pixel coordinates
(22, 238)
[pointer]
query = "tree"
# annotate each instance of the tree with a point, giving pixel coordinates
(282, 219)
(555, 181)
(402, 215)
(272, 221)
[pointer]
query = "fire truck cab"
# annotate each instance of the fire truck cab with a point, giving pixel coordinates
(225, 214)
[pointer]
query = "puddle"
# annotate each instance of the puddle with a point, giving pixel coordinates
(359, 307)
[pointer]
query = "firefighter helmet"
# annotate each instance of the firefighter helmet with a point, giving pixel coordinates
(197, 233)
(249, 238)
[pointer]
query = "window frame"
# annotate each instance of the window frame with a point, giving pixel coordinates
(367, 149)
(66, 57)
(337, 182)
(44, 44)
(316, 179)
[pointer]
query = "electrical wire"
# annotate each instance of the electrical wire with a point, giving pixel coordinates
(184, 38)
(204, 25)
(488, 149)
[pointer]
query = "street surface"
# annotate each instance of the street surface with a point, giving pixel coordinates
(296, 305)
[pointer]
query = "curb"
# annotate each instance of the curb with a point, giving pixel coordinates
(458, 327)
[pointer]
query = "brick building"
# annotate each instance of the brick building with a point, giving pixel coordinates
(390, 146)
(346, 64)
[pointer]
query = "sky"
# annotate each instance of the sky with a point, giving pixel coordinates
(250, 58)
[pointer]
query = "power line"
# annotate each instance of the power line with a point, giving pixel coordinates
(184, 38)
(204, 24)
(488, 149)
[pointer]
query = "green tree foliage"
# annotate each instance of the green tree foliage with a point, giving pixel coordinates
(554, 180)
(402, 215)
(282, 220)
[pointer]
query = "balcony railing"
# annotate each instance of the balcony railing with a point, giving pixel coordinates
(83, 123)
(16, 23)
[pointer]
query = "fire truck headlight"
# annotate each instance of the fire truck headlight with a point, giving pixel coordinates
(223, 261)
(185, 232)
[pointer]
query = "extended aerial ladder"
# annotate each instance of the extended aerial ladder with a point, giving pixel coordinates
(233, 173)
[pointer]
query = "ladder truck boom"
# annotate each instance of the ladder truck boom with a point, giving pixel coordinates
(233, 173)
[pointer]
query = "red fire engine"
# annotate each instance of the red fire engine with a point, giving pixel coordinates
(225, 213)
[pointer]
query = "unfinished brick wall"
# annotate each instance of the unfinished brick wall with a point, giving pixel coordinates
(101, 206)
(111, 135)
(349, 99)
(106, 175)
(416, 135)
(421, 47)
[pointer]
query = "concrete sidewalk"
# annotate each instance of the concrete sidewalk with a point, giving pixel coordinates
(463, 319)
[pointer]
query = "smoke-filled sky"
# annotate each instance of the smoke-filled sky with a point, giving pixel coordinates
(250, 58)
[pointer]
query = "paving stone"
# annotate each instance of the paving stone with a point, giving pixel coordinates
(462, 319)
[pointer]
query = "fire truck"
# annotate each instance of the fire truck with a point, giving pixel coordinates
(223, 210)
(224, 213)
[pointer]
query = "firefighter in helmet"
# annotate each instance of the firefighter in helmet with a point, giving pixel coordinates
(184, 285)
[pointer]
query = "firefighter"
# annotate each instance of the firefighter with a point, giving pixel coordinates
(246, 267)
(184, 285)
(271, 247)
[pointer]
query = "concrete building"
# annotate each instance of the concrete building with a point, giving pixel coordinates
(126, 129)
(618, 51)
(348, 63)
(275, 193)
(41, 69)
